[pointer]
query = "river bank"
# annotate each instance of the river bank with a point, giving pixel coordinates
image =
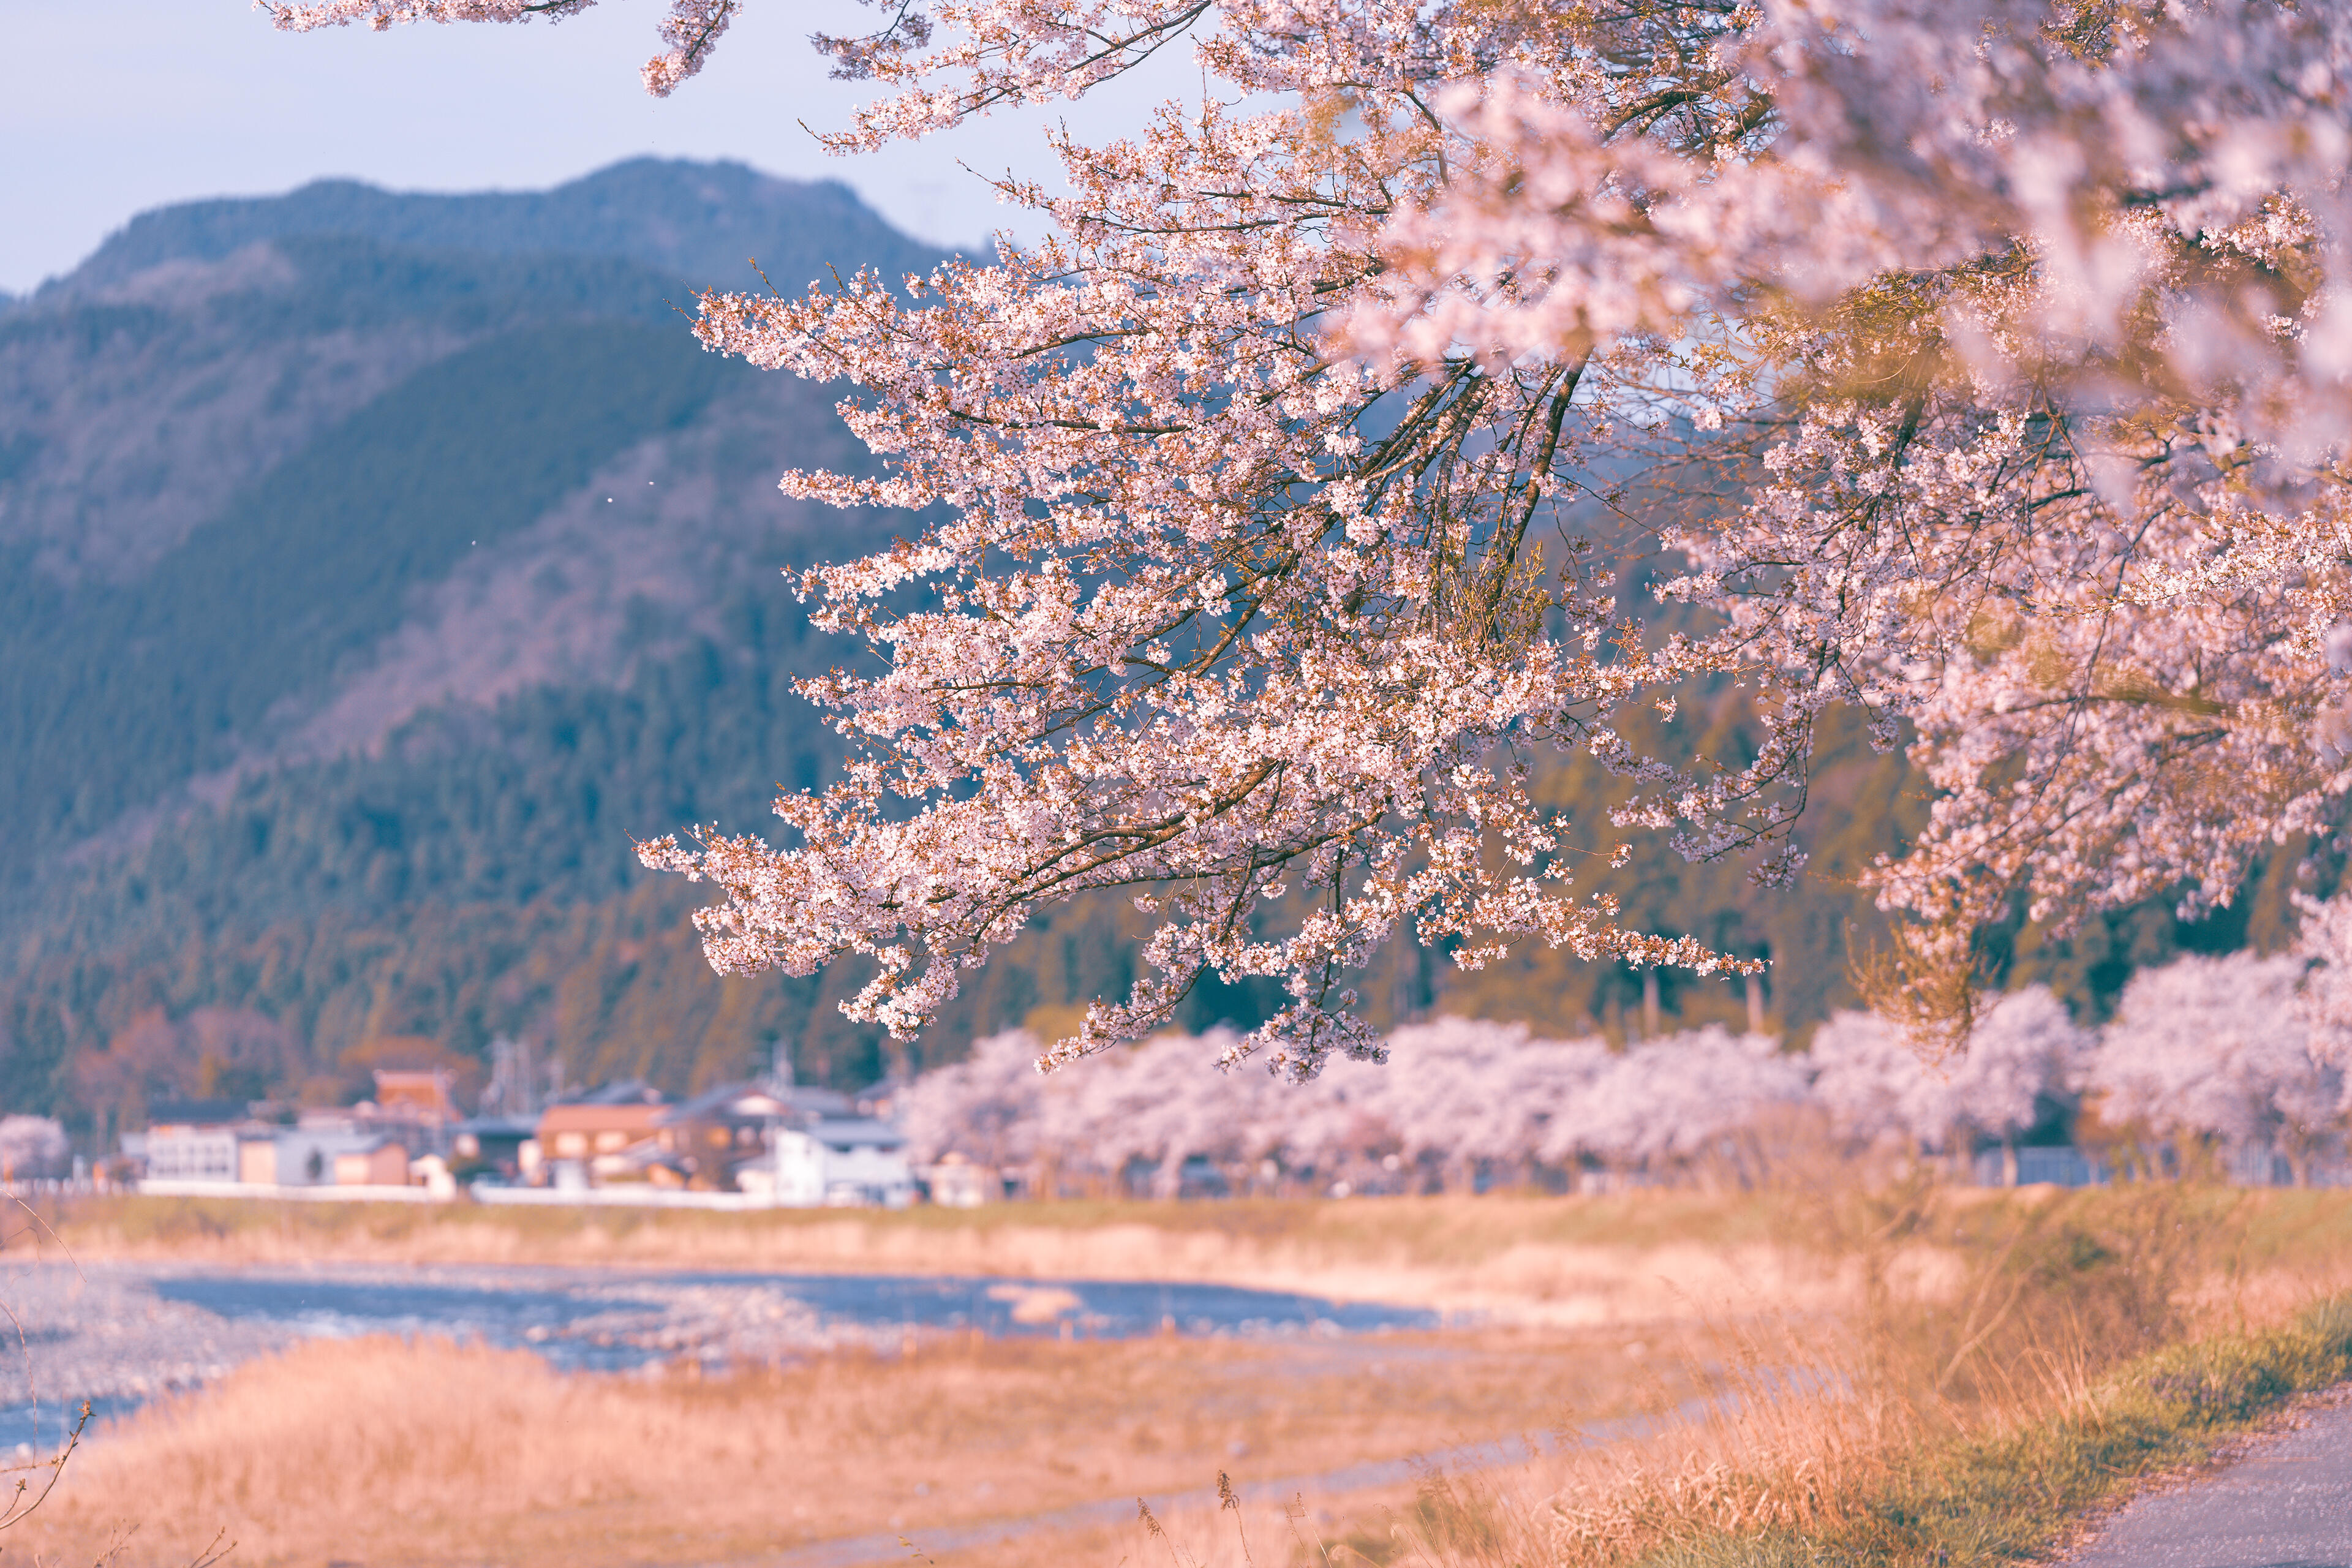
(1547, 1261)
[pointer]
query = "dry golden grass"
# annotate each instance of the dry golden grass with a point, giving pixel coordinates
(1975, 1321)
(382, 1450)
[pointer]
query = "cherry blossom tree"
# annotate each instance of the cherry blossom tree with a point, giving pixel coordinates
(2220, 1048)
(2324, 942)
(2022, 1050)
(1462, 1093)
(2015, 330)
(984, 1107)
(1668, 1101)
(690, 28)
(33, 1146)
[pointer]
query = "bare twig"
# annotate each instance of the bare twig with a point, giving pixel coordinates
(16, 1508)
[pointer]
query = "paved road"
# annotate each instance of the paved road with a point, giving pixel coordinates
(2286, 1505)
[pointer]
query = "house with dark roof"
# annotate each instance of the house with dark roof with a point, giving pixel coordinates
(700, 1142)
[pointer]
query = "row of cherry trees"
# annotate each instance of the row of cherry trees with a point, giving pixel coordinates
(1457, 1095)
(2239, 1054)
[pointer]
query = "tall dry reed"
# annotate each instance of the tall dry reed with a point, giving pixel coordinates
(428, 1451)
(1971, 1317)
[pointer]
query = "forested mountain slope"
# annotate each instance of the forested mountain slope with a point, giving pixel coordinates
(375, 568)
(372, 567)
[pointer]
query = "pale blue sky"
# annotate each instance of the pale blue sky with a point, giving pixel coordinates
(109, 107)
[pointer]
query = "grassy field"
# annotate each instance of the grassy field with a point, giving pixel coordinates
(1567, 1261)
(1884, 1361)
(1858, 1484)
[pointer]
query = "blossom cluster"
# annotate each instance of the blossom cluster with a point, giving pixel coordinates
(691, 28)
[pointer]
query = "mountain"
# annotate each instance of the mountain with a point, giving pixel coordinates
(703, 223)
(375, 568)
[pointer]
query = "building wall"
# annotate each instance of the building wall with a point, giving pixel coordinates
(811, 1172)
(257, 1162)
(192, 1155)
(307, 1158)
(386, 1166)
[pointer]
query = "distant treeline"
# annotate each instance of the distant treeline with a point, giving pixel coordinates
(477, 878)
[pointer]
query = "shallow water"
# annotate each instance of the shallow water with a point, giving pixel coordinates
(121, 1334)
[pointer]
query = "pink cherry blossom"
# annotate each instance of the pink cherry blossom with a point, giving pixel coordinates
(2220, 1047)
(2024, 1049)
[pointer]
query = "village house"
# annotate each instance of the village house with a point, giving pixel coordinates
(379, 1162)
(498, 1142)
(193, 1139)
(314, 1152)
(702, 1143)
(415, 1107)
(221, 1141)
(593, 1135)
(842, 1163)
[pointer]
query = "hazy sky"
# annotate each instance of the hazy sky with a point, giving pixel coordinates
(109, 107)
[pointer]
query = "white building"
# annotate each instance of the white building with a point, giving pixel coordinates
(194, 1140)
(183, 1153)
(328, 1156)
(844, 1162)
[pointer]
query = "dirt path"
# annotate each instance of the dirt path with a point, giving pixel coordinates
(2287, 1504)
(1372, 1476)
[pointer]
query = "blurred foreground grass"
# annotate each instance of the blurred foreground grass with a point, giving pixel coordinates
(382, 1450)
(2057, 1356)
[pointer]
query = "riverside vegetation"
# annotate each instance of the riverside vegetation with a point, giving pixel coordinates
(1926, 1375)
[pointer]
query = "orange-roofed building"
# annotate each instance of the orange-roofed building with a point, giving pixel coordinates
(415, 1096)
(599, 1131)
